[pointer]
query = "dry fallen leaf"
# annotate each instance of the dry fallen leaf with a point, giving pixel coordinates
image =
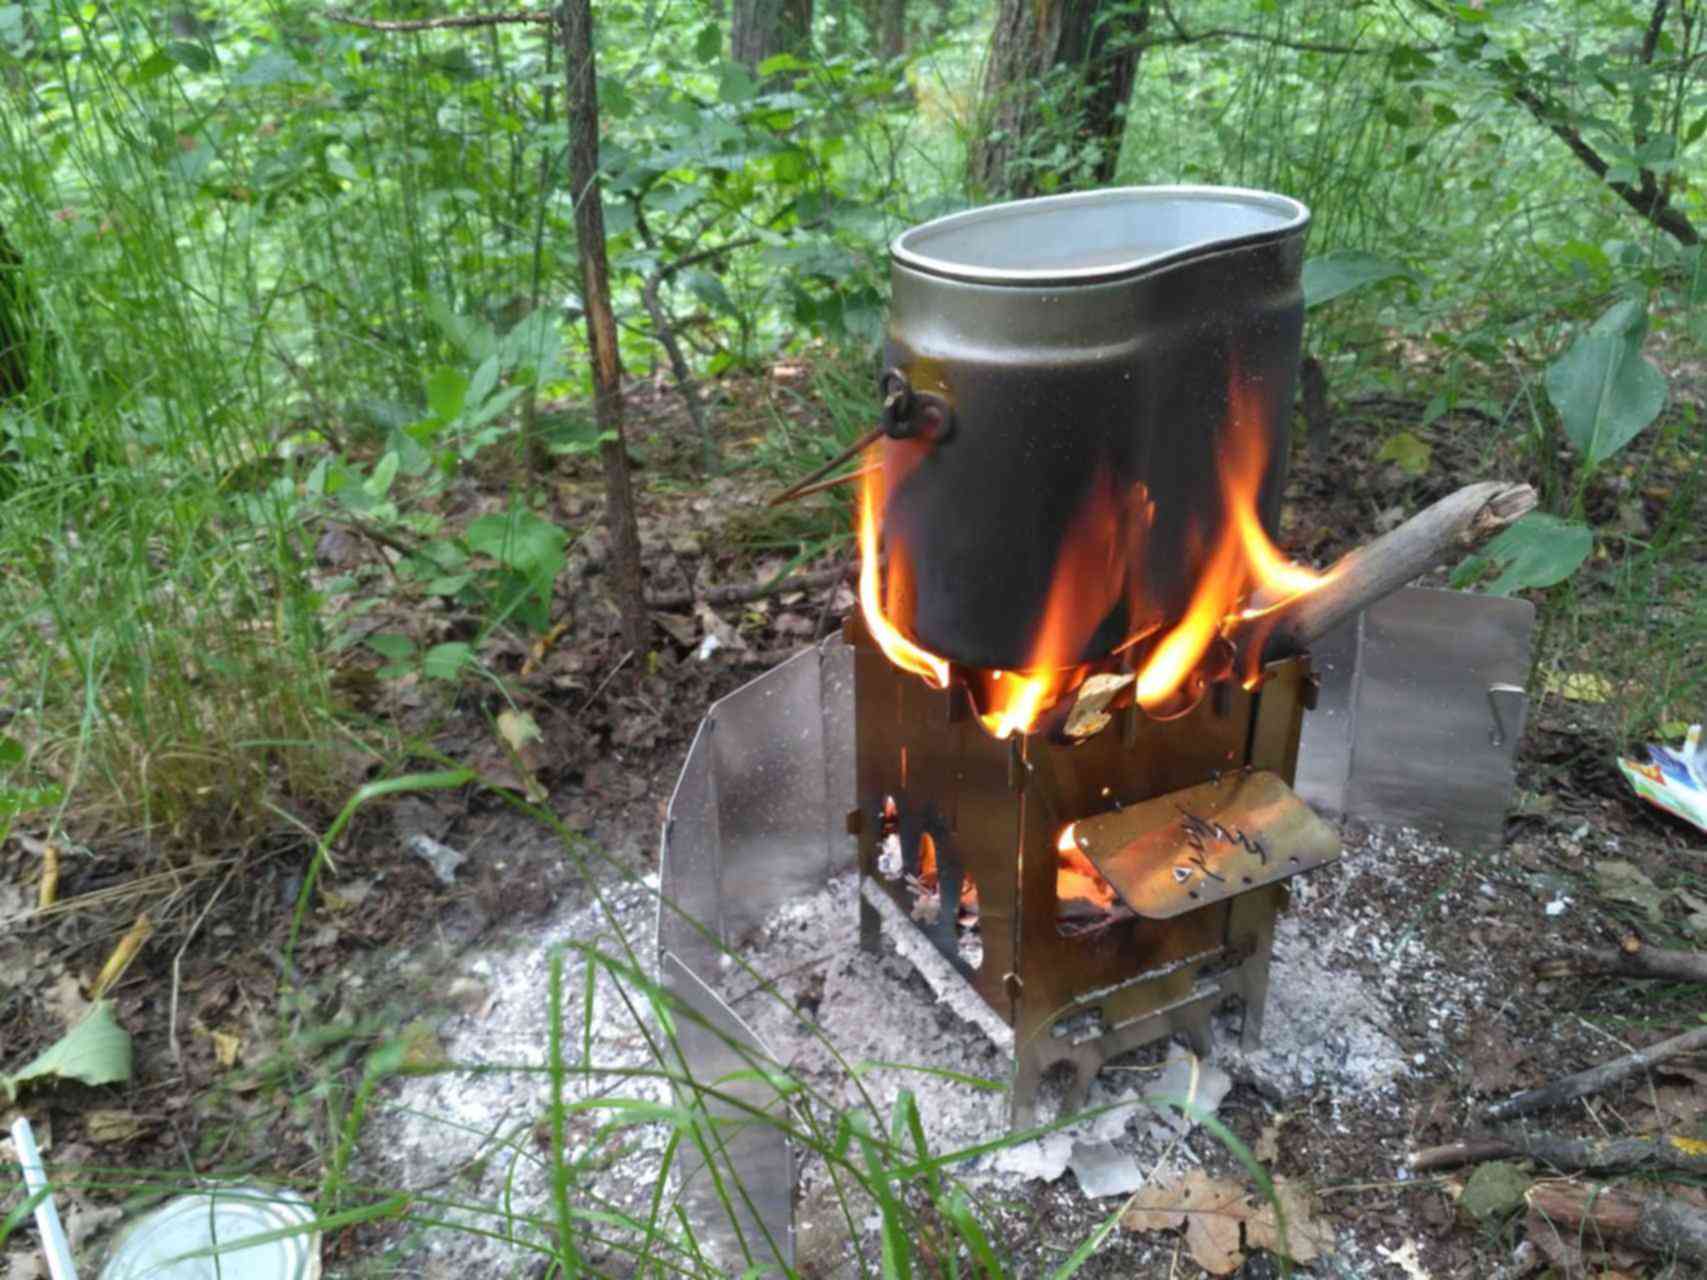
(521, 734)
(517, 728)
(1213, 1212)
(1622, 881)
(1267, 1147)
(227, 1047)
(112, 1126)
(1405, 1258)
(1307, 1236)
(1222, 1219)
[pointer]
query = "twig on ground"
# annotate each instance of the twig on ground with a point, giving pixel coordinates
(742, 592)
(1659, 1223)
(830, 600)
(178, 963)
(439, 24)
(609, 676)
(1595, 1079)
(1586, 1155)
(1633, 960)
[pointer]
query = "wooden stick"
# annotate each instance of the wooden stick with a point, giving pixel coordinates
(742, 592)
(1281, 629)
(440, 24)
(1666, 1226)
(853, 450)
(1634, 961)
(1595, 1079)
(1589, 1155)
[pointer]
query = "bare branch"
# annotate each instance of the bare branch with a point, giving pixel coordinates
(1656, 24)
(1183, 36)
(439, 24)
(1647, 200)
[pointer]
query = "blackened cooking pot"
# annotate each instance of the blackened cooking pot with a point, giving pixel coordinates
(1084, 363)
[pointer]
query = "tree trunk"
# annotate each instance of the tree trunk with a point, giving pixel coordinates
(762, 29)
(1053, 104)
(575, 21)
(892, 29)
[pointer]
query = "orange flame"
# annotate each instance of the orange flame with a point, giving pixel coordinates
(1090, 572)
(896, 647)
(1076, 876)
(1105, 538)
(1245, 560)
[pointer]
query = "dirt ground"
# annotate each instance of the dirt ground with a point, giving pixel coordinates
(244, 1063)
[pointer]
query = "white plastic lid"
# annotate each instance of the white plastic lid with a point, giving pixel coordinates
(154, 1247)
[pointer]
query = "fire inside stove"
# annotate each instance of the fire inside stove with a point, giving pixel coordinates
(1073, 756)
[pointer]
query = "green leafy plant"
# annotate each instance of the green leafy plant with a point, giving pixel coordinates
(1605, 393)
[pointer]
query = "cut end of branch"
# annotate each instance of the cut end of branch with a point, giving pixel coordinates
(1502, 508)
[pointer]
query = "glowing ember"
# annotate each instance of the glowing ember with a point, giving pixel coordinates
(1105, 538)
(1076, 878)
(929, 877)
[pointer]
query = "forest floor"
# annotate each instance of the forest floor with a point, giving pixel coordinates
(245, 1065)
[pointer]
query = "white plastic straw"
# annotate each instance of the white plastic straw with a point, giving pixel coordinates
(53, 1241)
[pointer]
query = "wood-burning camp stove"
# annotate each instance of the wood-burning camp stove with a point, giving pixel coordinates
(1180, 835)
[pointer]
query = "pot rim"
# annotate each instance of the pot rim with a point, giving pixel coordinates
(1271, 217)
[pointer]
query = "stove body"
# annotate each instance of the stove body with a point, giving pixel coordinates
(942, 805)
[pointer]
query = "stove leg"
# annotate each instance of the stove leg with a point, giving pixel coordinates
(1198, 1039)
(870, 923)
(1028, 1079)
(1251, 930)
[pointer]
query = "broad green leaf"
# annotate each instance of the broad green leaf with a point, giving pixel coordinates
(1329, 275)
(445, 661)
(193, 57)
(448, 584)
(390, 645)
(447, 392)
(11, 24)
(709, 43)
(496, 405)
(11, 752)
(1538, 551)
(484, 379)
(520, 540)
(1604, 388)
(384, 472)
(536, 342)
(16, 800)
(781, 62)
(272, 67)
(95, 1051)
(1407, 452)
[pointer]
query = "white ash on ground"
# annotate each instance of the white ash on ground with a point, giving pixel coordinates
(478, 1135)
(1379, 963)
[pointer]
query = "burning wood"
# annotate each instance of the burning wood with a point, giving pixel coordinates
(1279, 627)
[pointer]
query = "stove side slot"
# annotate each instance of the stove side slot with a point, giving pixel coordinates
(919, 752)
